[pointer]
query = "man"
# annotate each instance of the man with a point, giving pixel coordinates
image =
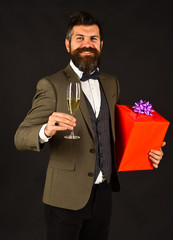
(81, 173)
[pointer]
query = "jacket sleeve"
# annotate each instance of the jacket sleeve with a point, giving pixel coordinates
(43, 105)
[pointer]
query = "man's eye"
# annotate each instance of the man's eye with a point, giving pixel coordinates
(94, 38)
(79, 38)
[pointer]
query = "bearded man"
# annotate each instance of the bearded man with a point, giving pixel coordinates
(81, 173)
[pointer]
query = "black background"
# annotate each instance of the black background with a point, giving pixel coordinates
(138, 50)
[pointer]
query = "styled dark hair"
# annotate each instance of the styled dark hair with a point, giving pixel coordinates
(82, 18)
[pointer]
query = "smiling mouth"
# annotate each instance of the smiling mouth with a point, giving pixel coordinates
(86, 52)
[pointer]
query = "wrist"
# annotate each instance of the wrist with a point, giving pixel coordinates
(43, 138)
(47, 135)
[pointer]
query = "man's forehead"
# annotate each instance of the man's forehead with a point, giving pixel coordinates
(86, 30)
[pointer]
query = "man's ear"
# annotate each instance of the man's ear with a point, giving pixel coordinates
(101, 44)
(67, 44)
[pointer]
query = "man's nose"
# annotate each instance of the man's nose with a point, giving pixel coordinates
(87, 42)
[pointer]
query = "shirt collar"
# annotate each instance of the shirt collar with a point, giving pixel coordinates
(76, 70)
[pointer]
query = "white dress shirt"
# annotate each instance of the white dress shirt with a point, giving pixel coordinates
(91, 89)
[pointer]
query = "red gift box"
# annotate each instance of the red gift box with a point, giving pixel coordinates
(136, 135)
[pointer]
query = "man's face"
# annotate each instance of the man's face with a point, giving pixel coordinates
(85, 47)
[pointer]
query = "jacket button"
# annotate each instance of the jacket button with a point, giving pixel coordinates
(92, 150)
(90, 174)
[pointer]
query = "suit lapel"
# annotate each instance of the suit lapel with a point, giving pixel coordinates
(110, 96)
(107, 90)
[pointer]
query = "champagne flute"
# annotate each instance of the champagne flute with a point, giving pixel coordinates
(73, 99)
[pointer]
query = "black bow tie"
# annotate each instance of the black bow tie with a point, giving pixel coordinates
(86, 76)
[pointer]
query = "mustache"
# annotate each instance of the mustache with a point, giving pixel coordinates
(86, 49)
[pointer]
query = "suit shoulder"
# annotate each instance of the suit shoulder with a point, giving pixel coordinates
(55, 76)
(108, 75)
(52, 80)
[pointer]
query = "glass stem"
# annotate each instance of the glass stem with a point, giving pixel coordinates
(72, 132)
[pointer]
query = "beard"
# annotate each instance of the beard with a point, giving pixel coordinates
(86, 64)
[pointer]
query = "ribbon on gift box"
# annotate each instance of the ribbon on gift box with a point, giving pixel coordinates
(143, 107)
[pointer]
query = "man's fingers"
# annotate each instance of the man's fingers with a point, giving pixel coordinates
(59, 122)
(58, 125)
(163, 144)
(62, 128)
(62, 120)
(63, 116)
(154, 161)
(156, 154)
(155, 165)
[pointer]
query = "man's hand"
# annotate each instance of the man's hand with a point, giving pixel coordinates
(155, 156)
(59, 122)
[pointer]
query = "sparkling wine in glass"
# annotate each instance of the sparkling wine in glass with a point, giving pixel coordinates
(73, 100)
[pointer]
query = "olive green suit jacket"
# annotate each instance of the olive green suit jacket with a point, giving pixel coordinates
(70, 171)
